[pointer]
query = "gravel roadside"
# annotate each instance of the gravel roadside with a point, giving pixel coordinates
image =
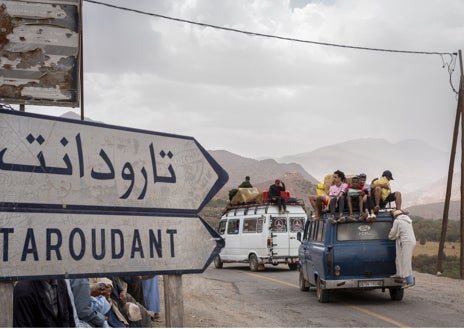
(209, 305)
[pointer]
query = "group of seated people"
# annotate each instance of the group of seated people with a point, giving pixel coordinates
(367, 198)
(107, 302)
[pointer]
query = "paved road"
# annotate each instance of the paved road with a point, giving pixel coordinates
(273, 294)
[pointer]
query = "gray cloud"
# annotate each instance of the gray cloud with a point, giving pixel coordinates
(258, 96)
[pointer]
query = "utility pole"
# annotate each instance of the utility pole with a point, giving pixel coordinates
(459, 115)
(461, 107)
(81, 59)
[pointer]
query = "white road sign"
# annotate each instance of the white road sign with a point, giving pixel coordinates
(35, 245)
(56, 163)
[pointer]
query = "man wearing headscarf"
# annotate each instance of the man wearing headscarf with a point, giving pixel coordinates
(403, 232)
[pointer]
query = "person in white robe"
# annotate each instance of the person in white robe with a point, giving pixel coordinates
(403, 232)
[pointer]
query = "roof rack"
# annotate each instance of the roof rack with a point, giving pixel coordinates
(256, 205)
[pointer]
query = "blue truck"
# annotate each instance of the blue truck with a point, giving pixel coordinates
(355, 255)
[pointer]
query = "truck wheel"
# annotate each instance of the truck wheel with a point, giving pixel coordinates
(254, 265)
(218, 262)
(322, 294)
(396, 293)
(304, 285)
(292, 266)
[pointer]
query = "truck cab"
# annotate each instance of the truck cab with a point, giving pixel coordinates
(355, 255)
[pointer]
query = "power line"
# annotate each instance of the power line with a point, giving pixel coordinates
(273, 36)
(449, 64)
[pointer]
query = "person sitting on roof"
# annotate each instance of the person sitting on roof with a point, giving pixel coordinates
(356, 193)
(246, 183)
(382, 192)
(320, 200)
(368, 203)
(337, 193)
(274, 195)
(320, 204)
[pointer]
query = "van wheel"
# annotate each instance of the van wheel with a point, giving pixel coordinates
(396, 293)
(322, 294)
(304, 285)
(254, 265)
(218, 262)
(292, 266)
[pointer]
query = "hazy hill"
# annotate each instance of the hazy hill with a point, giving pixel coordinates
(412, 162)
(428, 202)
(435, 210)
(262, 172)
(435, 191)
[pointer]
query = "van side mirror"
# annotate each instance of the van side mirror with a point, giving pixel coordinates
(298, 236)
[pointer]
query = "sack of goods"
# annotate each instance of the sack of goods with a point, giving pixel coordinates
(246, 195)
(320, 189)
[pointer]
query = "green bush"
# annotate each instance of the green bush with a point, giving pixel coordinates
(428, 264)
(430, 230)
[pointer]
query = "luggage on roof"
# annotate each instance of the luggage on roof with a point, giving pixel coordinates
(246, 195)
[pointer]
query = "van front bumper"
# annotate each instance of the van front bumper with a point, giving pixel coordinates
(371, 283)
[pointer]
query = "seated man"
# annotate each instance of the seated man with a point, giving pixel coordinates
(274, 195)
(337, 193)
(368, 203)
(355, 192)
(83, 302)
(246, 183)
(320, 204)
(381, 192)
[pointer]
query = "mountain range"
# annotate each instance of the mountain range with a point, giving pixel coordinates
(419, 170)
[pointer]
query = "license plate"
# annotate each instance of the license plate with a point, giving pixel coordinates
(370, 283)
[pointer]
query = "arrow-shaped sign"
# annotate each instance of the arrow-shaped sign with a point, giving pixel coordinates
(68, 165)
(35, 245)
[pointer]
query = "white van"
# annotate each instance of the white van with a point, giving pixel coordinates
(258, 234)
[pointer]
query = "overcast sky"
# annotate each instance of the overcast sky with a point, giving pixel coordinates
(257, 96)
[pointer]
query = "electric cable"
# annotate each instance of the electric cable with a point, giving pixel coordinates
(450, 65)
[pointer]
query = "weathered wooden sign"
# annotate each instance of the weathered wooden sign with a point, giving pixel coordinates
(40, 52)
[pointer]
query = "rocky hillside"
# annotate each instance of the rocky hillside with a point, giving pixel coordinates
(259, 170)
(435, 210)
(435, 192)
(263, 173)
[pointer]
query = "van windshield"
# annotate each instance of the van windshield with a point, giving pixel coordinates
(363, 231)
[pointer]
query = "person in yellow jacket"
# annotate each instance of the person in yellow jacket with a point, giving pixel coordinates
(382, 194)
